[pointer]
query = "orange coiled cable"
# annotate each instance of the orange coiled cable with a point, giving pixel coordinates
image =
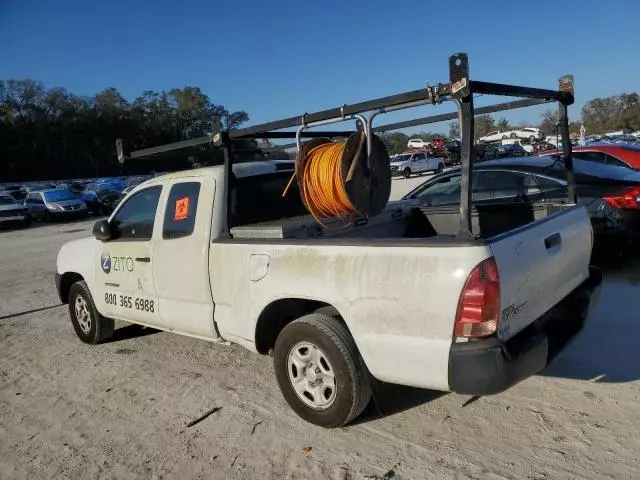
(321, 185)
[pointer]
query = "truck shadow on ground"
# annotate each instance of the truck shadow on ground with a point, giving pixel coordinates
(388, 399)
(129, 332)
(607, 349)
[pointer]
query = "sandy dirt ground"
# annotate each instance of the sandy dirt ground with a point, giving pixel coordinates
(121, 410)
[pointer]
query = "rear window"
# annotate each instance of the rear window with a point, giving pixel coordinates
(259, 199)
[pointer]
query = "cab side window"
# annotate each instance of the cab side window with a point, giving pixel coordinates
(35, 199)
(445, 186)
(180, 214)
(495, 184)
(135, 219)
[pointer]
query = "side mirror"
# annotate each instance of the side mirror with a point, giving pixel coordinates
(102, 230)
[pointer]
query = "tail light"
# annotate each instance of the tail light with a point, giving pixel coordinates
(630, 199)
(479, 306)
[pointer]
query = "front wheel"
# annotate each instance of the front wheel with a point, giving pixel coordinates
(90, 326)
(513, 135)
(532, 139)
(320, 372)
(407, 173)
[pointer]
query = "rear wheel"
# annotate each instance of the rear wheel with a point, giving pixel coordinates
(407, 172)
(504, 137)
(320, 372)
(513, 135)
(532, 139)
(90, 326)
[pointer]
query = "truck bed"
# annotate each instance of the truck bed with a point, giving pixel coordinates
(404, 219)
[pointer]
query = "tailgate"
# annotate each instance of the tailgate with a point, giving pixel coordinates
(540, 264)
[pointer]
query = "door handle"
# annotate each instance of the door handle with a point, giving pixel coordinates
(552, 240)
(143, 259)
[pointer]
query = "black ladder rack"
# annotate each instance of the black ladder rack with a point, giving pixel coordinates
(460, 89)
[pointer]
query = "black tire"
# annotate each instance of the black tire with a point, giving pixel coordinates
(46, 217)
(440, 168)
(407, 173)
(513, 135)
(100, 329)
(504, 137)
(532, 139)
(352, 389)
(27, 221)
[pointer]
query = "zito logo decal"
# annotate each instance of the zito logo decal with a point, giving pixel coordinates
(105, 262)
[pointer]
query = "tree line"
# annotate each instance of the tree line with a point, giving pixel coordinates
(54, 134)
(50, 133)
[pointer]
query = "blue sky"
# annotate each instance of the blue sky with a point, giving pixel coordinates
(282, 58)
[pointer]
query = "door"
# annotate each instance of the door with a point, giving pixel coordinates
(36, 206)
(432, 163)
(181, 258)
(420, 162)
(124, 276)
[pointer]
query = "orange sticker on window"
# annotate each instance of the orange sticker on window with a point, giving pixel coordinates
(182, 209)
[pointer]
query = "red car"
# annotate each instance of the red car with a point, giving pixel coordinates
(438, 143)
(612, 154)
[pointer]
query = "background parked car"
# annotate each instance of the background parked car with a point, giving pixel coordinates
(54, 204)
(100, 196)
(407, 164)
(611, 154)
(495, 135)
(417, 143)
(18, 192)
(611, 194)
(12, 212)
(528, 133)
(511, 150)
(452, 154)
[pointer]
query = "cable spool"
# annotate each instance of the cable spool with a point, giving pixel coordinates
(335, 181)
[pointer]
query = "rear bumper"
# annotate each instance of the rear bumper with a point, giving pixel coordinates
(486, 367)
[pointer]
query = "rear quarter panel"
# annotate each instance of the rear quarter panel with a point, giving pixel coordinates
(399, 302)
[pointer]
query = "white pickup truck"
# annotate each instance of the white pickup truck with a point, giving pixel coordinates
(407, 164)
(397, 297)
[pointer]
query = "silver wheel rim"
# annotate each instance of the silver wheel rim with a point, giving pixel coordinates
(311, 375)
(82, 314)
